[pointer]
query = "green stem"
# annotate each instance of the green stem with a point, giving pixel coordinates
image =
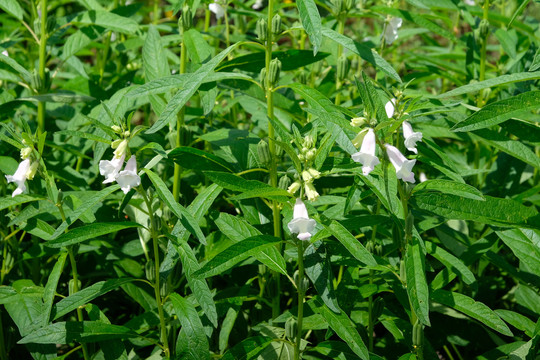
(371, 320)
(483, 52)
(42, 63)
(179, 125)
(301, 294)
(341, 28)
(207, 15)
(164, 339)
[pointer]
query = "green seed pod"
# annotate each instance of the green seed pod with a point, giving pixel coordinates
(275, 70)
(51, 24)
(261, 29)
(279, 150)
(402, 271)
(71, 286)
(60, 197)
(378, 307)
(303, 77)
(185, 135)
(284, 182)
(355, 63)
(263, 149)
(342, 67)
(187, 18)
(338, 5)
(263, 269)
(370, 246)
(483, 28)
(175, 277)
(418, 334)
(409, 224)
(304, 285)
(9, 260)
(150, 270)
(262, 78)
(378, 250)
(37, 83)
(164, 288)
(291, 328)
(348, 5)
(276, 24)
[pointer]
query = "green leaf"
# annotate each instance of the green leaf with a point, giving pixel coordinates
(50, 288)
(87, 232)
(192, 328)
(417, 288)
(451, 262)
(183, 215)
(193, 81)
(237, 229)
(472, 308)
(108, 20)
(252, 188)
(311, 21)
(525, 244)
(318, 269)
(491, 211)
(500, 80)
(343, 327)
(520, 322)
(9, 201)
(290, 60)
(363, 51)
(12, 7)
(155, 63)
(247, 348)
(79, 40)
(191, 158)
(74, 331)
(449, 187)
(236, 253)
(499, 111)
(86, 295)
(84, 135)
(351, 243)
(508, 41)
(25, 74)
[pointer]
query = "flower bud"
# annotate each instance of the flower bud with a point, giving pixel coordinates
(370, 246)
(291, 327)
(264, 152)
(284, 182)
(187, 18)
(378, 250)
(358, 121)
(294, 187)
(121, 149)
(309, 141)
(311, 154)
(261, 29)
(303, 77)
(275, 69)
(117, 129)
(342, 68)
(276, 24)
(311, 193)
(26, 152)
(60, 197)
(348, 5)
(32, 170)
(314, 173)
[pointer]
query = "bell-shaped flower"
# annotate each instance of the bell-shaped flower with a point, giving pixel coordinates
(390, 107)
(128, 177)
(110, 169)
(411, 137)
(217, 9)
(258, 5)
(402, 165)
(310, 191)
(295, 186)
(391, 31)
(20, 176)
(301, 224)
(366, 155)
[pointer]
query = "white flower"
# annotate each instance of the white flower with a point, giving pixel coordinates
(422, 177)
(401, 164)
(366, 155)
(217, 9)
(311, 192)
(5, 53)
(389, 107)
(20, 176)
(301, 224)
(469, 2)
(128, 177)
(110, 169)
(411, 137)
(392, 26)
(258, 5)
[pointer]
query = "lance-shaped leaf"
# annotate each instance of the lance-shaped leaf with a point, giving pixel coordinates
(311, 21)
(192, 336)
(87, 232)
(351, 243)
(417, 288)
(317, 268)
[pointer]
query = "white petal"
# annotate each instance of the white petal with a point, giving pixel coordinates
(300, 210)
(20, 173)
(131, 165)
(19, 190)
(110, 169)
(396, 157)
(217, 9)
(422, 177)
(367, 160)
(127, 180)
(389, 107)
(304, 236)
(395, 23)
(369, 143)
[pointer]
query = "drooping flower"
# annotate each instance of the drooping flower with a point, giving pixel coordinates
(310, 174)
(110, 169)
(258, 5)
(402, 165)
(128, 177)
(391, 31)
(311, 192)
(217, 9)
(20, 176)
(366, 155)
(295, 186)
(301, 224)
(422, 177)
(390, 107)
(121, 148)
(411, 137)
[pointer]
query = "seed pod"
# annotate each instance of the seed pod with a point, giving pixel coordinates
(261, 29)
(378, 250)
(409, 223)
(263, 149)
(348, 5)
(291, 328)
(262, 77)
(51, 24)
(276, 24)
(342, 67)
(370, 246)
(304, 285)
(402, 271)
(9, 260)
(418, 334)
(279, 150)
(187, 18)
(164, 288)
(338, 5)
(303, 77)
(378, 307)
(483, 28)
(185, 135)
(175, 276)
(275, 69)
(284, 182)
(71, 286)
(150, 270)
(37, 82)
(355, 64)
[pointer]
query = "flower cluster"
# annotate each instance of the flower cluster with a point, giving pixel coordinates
(25, 171)
(307, 155)
(111, 169)
(366, 156)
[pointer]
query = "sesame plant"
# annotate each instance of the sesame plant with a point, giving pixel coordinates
(270, 179)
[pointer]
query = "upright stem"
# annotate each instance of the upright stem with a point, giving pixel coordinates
(483, 52)
(42, 61)
(341, 27)
(301, 294)
(159, 302)
(179, 124)
(272, 147)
